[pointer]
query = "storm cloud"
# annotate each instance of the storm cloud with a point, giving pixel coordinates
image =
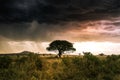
(32, 24)
(27, 31)
(52, 11)
(45, 20)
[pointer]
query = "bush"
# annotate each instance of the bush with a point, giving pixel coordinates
(5, 62)
(32, 67)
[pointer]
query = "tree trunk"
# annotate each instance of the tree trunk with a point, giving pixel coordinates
(60, 53)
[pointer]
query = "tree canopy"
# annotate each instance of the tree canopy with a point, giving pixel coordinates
(61, 46)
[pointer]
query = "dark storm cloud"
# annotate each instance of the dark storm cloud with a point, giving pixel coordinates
(18, 31)
(29, 31)
(52, 11)
(45, 19)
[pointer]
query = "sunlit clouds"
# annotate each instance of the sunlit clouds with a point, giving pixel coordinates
(40, 47)
(101, 30)
(100, 36)
(97, 47)
(19, 46)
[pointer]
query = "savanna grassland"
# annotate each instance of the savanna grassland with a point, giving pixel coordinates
(34, 67)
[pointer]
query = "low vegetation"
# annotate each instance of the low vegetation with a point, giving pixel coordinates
(33, 67)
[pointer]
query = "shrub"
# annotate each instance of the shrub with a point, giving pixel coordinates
(5, 62)
(32, 67)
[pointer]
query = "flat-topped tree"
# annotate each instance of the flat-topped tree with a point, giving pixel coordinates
(61, 46)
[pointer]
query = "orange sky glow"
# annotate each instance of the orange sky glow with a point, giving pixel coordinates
(102, 36)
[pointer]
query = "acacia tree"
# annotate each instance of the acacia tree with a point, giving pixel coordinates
(61, 46)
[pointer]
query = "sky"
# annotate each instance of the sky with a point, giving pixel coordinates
(30, 25)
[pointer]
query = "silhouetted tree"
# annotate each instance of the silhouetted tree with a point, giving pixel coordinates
(101, 54)
(61, 46)
(87, 53)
